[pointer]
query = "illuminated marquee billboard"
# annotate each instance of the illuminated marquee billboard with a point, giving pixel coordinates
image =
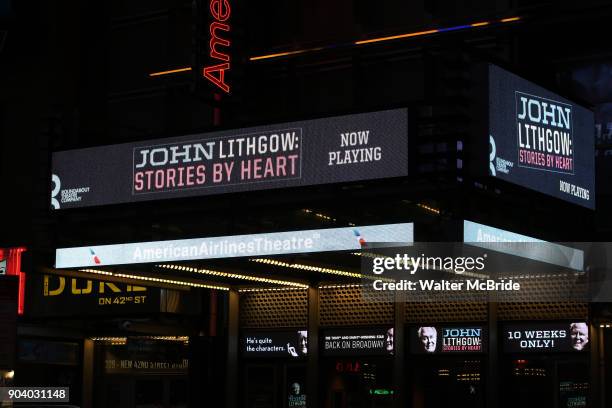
(292, 343)
(429, 339)
(529, 337)
(484, 236)
(54, 295)
(274, 243)
(364, 341)
(333, 150)
(539, 140)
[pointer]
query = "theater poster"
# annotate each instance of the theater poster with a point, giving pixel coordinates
(447, 339)
(340, 149)
(364, 341)
(539, 139)
(265, 344)
(542, 337)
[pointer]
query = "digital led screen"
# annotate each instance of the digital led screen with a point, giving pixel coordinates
(274, 243)
(540, 140)
(537, 337)
(290, 343)
(485, 236)
(332, 150)
(366, 341)
(430, 339)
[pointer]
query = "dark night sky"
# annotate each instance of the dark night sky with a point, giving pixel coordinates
(74, 74)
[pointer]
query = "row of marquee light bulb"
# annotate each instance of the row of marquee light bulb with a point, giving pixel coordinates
(287, 285)
(153, 279)
(266, 261)
(120, 341)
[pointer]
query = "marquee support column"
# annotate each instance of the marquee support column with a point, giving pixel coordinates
(232, 350)
(88, 373)
(597, 363)
(399, 385)
(492, 370)
(312, 390)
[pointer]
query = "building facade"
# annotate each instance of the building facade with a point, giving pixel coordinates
(400, 112)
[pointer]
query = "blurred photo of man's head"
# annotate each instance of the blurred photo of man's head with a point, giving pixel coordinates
(295, 389)
(428, 337)
(302, 346)
(389, 340)
(579, 335)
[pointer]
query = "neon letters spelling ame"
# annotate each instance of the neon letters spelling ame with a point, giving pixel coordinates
(220, 11)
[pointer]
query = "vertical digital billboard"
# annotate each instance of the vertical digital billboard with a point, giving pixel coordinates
(540, 140)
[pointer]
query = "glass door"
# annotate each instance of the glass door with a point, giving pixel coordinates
(445, 381)
(261, 386)
(528, 382)
(357, 383)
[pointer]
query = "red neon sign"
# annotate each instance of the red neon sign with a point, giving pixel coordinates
(220, 11)
(12, 259)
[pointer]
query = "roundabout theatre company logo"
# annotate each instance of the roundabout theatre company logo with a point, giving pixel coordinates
(65, 196)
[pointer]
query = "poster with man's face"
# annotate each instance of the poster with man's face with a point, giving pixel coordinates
(366, 341)
(296, 396)
(290, 343)
(530, 337)
(430, 339)
(301, 346)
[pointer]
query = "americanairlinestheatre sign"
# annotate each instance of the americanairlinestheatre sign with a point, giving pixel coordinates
(232, 246)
